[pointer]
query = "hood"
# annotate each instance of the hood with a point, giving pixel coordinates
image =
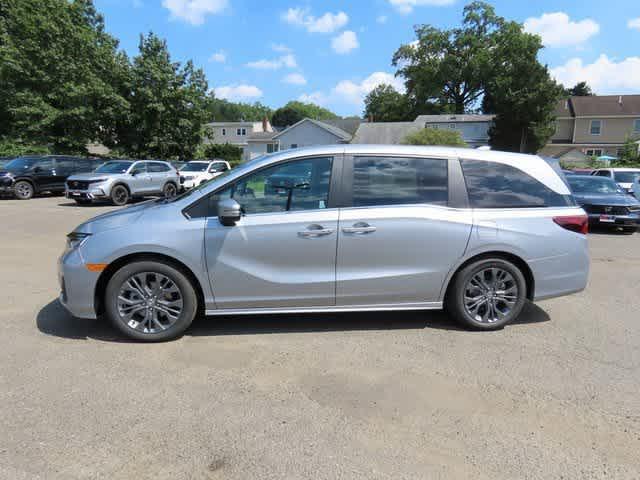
(607, 199)
(93, 176)
(117, 218)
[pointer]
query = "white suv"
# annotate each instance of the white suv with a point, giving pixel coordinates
(197, 172)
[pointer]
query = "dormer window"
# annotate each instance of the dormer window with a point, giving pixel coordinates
(596, 127)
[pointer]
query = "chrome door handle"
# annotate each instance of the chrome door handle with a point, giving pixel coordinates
(360, 228)
(315, 231)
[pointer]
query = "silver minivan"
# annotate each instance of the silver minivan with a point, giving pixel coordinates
(335, 228)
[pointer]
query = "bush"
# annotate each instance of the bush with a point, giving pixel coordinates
(12, 148)
(431, 136)
(225, 151)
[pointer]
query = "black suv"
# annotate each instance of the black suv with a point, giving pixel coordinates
(25, 177)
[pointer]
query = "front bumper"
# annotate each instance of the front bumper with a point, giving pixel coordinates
(95, 194)
(629, 220)
(77, 285)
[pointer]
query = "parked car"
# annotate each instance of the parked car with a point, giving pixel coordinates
(197, 172)
(605, 202)
(374, 227)
(625, 177)
(25, 177)
(122, 180)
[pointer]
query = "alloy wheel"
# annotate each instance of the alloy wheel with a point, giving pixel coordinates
(149, 302)
(23, 190)
(170, 190)
(490, 295)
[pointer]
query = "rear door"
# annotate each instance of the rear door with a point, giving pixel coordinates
(399, 233)
(158, 176)
(65, 167)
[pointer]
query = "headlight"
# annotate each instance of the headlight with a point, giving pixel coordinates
(75, 239)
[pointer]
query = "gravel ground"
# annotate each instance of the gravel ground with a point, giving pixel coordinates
(354, 396)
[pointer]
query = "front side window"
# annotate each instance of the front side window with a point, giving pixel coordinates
(218, 167)
(603, 173)
(495, 185)
(297, 185)
(140, 167)
(398, 181)
(596, 127)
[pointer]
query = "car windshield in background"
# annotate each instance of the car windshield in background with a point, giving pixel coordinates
(21, 163)
(626, 177)
(592, 185)
(194, 167)
(114, 167)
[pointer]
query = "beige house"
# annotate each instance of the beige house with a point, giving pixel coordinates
(594, 126)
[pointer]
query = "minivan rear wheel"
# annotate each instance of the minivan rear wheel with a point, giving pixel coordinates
(487, 294)
(150, 301)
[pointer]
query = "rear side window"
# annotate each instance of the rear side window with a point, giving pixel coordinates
(157, 167)
(495, 185)
(84, 165)
(399, 181)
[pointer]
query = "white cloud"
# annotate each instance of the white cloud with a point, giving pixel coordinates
(382, 19)
(346, 42)
(603, 76)
(634, 23)
(238, 92)
(558, 30)
(219, 57)
(295, 79)
(280, 48)
(288, 60)
(406, 6)
(327, 23)
(348, 94)
(194, 11)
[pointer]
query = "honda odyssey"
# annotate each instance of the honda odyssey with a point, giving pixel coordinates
(357, 228)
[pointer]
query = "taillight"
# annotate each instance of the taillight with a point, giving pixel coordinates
(575, 223)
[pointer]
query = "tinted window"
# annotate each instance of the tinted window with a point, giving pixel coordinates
(114, 167)
(45, 164)
(397, 181)
(626, 177)
(157, 167)
(84, 165)
(603, 173)
(494, 185)
(593, 185)
(194, 167)
(64, 166)
(140, 167)
(297, 185)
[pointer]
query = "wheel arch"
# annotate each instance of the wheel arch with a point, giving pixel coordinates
(113, 267)
(509, 256)
(120, 184)
(29, 180)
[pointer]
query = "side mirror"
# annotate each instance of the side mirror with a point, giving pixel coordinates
(134, 172)
(229, 212)
(37, 169)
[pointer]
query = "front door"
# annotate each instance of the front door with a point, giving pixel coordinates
(282, 252)
(398, 238)
(44, 174)
(140, 182)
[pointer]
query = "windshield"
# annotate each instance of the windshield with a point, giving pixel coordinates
(626, 177)
(592, 185)
(194, 167)
(21, 163)
(114, 167)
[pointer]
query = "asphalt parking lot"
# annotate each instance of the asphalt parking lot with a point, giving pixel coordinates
(354, 396)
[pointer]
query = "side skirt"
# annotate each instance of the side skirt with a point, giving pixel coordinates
(347, 308)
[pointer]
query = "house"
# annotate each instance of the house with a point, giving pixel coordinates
(311, 132)
(474, 129)
(239, 134)
(594, 125)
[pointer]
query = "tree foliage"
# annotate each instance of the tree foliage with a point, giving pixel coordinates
(385, 104)
(295, 111)
(432, 136)
(225, 151)
(221, 110)
(59, 74)
(629, 154)
(581, 89)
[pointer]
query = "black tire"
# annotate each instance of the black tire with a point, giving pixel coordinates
(505, 314)
(120, 195)
(170, 190)
(629, 230)
(82, 201)
(23, 190)
(150, 268)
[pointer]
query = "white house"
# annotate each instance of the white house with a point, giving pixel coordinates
(238, 134)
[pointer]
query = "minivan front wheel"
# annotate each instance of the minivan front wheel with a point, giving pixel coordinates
(23, 190)
(487, 294)
(150, 301)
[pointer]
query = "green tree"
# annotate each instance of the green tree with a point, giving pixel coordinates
(295, 111)
(225, 151)
(221, 110)
(581, 89)
(168, 105)
(432, 136)
(59, 74)
(520, 92)
(385, 104)
(445, 70)
(629, 154)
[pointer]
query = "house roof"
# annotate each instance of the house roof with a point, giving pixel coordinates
(349, 125)
(338, 132)
(591, 106)
(454, 118)
(261, 136)
(384, 132)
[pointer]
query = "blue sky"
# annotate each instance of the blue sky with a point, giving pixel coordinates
(333, 52)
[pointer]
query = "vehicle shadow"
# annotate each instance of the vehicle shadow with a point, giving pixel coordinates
(54, 320)
(593, 230)
(72, 203)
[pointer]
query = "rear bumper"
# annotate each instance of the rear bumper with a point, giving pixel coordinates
(77, 285)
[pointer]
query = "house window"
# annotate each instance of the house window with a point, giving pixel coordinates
(594, 152)
(452, 126)
(596, 127)
(241, 132)
(224, 132)
(636, 125)
(294, 145)
(272, 147)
